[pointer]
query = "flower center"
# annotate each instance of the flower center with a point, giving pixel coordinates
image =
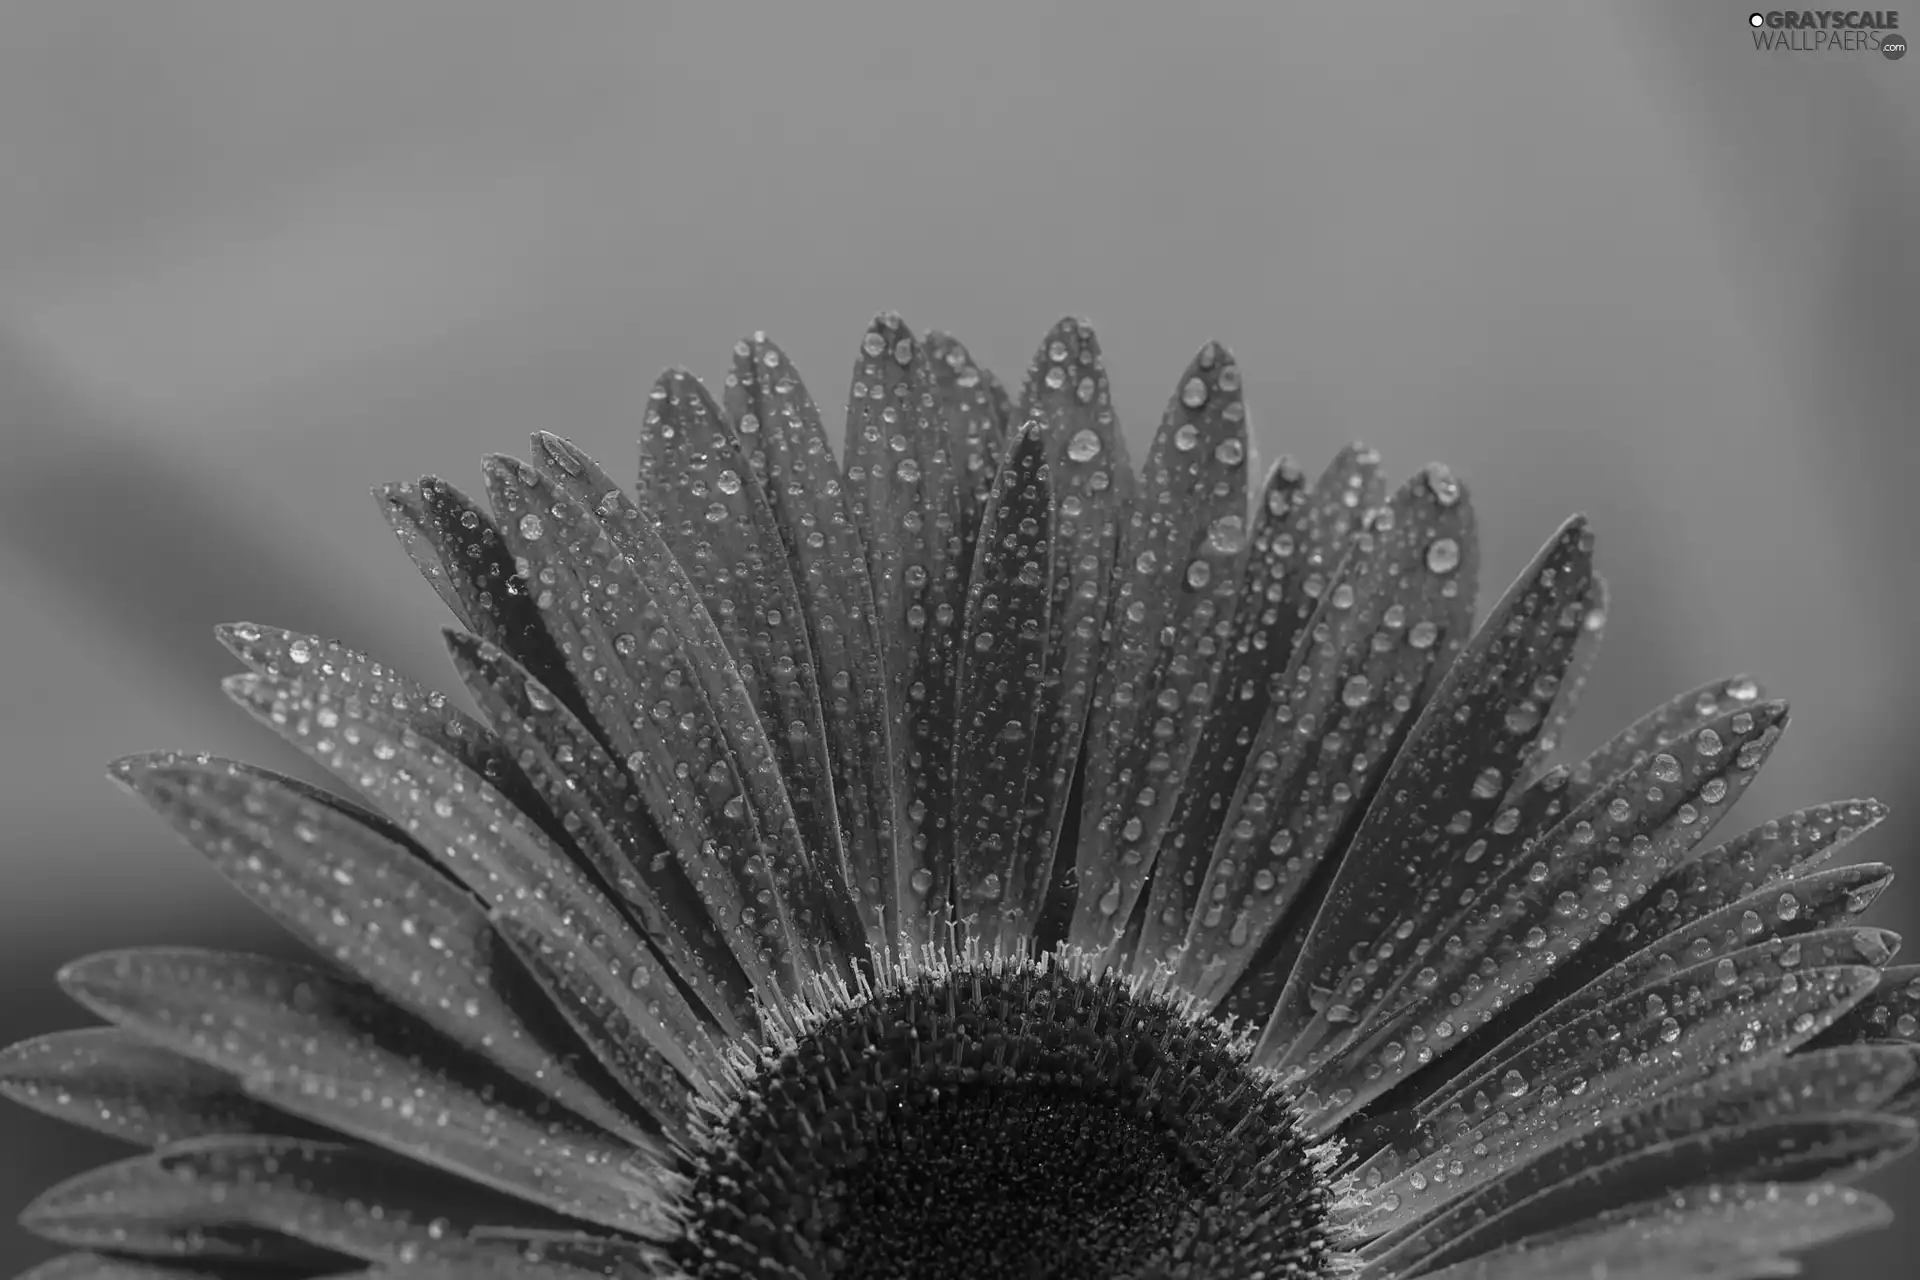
(1010, 1121)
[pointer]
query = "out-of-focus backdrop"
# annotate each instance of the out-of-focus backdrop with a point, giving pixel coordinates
(256, 257)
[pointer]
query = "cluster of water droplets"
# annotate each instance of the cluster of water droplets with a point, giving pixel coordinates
(1171, 616)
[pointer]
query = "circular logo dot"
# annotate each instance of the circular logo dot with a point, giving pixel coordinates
(1756, 19)
(1894, 46)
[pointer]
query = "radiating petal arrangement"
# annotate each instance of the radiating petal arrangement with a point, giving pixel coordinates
(964, 856)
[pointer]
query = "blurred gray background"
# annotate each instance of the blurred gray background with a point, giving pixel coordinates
(256, 257)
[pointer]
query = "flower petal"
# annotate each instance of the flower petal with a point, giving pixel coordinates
(669, 697)
(475, 834)
(696, 481)
(346, 1199)
(1068, 397)
(1792, 1119)
(1506, 928)
(1596, 1179)
(1403, 600)
(377, 907)
(458, 549)
(337, 1054)
(1445, 785)
(600, 806)
(275, 652)
(1771, 854)
(1792, 908)
(1891, 1012)
(974, 407)
(1173, 599)
(1299, 542)
(604, 1024)
(94, 1266)
(779, 427)
(1817, 949)
(1698, 1023)
(1566, 695)
(1000, 880)
(1721, 1232)
(903, 493)
(115, 1083)
(1677, 718)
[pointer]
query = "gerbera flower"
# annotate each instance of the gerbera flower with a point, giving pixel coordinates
(969, 858)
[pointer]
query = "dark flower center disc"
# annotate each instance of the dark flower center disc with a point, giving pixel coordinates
(1026, 1123)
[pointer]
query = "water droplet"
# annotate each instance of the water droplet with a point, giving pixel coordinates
(1227, 534)
(1443, 555)
(1230, 452)
(1194, 394)
(727, 482)
(530, 527)
(1186, 437)
(1199, 574)
(921, 880)
(1421, 635)
(1085, 445)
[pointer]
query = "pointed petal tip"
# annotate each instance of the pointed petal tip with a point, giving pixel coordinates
(1356, 453)
(558, 452)
(1077, 334)
(128, 770)
(87, 974)
(677, 378)
(42, 1213)
(1877, 946)
(20, 1060)
(1865, 894)
(756, 345)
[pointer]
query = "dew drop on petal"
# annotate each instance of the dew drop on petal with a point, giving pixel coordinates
(1443, 555)
(1085, 445)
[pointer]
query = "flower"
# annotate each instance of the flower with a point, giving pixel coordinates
(973, 859)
